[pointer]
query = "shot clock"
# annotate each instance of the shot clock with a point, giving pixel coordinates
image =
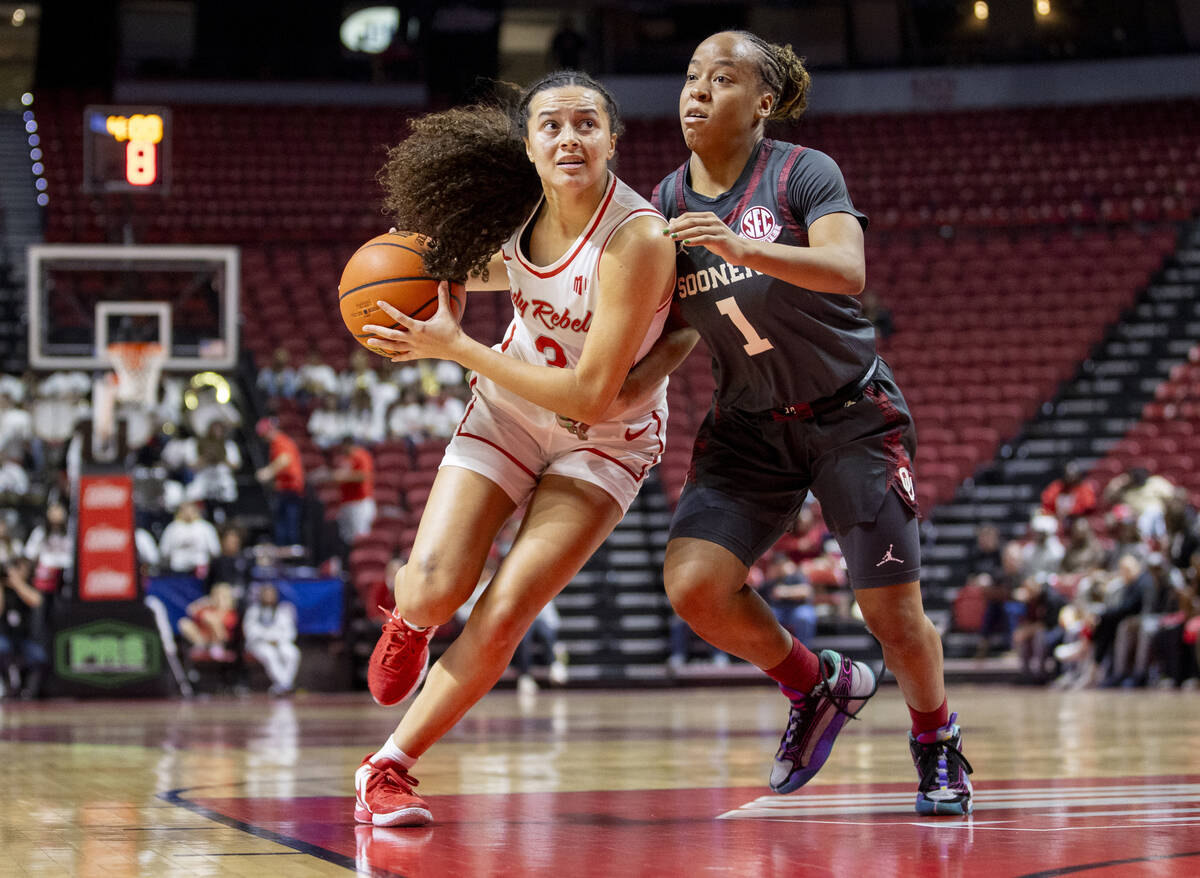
(126, 149)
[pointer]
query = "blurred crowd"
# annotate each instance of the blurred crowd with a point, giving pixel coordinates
(1102, 589)
(373, 400)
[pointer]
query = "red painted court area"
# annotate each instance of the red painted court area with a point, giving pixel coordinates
(1147, 826)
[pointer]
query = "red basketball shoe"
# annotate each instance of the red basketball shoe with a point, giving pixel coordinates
(399, 661)
(383, 795)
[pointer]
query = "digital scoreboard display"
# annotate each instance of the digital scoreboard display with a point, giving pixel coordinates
(126, 149)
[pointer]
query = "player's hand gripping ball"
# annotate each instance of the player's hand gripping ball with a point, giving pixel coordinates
(390, 267)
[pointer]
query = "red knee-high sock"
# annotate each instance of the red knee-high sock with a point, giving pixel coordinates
(800, 671)
(929, 720)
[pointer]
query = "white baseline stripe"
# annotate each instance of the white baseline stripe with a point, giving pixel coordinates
(782, 806)
(1019, 793)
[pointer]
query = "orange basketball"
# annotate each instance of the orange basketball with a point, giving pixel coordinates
(390, 268)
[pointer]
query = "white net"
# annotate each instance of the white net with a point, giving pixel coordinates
(138, 365)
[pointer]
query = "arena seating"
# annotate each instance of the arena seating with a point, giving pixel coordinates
(1003, 241)
(1167, 439)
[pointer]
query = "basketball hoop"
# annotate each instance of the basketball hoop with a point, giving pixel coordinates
(138, 365)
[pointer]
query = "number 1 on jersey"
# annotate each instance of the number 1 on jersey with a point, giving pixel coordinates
(755, 343)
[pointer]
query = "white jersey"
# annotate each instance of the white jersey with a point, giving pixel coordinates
(554, 304)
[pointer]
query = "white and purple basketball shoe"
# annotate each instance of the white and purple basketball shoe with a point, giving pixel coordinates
(945, 787)
(816, 718)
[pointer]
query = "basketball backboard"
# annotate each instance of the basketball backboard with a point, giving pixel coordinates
(81, 298)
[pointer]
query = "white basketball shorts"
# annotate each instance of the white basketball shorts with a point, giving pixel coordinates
(513, 443)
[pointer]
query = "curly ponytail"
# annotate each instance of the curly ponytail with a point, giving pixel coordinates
(462, 178)
(782, 71)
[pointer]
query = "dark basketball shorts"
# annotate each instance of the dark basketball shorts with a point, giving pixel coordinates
(751, 473)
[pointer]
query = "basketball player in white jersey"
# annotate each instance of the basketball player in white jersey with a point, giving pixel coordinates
(591, 278)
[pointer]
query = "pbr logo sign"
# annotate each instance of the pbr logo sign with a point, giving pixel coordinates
(759, 224)
(106, 560)
(107, 653)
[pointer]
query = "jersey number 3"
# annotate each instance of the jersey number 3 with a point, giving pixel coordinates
(755, 343)
(552, 351)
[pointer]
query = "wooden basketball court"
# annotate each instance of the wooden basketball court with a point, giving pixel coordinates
(662, 782)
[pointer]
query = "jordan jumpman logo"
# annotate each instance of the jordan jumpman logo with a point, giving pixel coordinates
(888, 556)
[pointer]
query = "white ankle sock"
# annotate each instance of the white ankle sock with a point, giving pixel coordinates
(416, 628)
(389, 750)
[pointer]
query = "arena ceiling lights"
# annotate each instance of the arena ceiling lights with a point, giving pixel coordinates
(370, 30)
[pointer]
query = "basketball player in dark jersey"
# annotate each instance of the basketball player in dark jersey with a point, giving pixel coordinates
(769, 269)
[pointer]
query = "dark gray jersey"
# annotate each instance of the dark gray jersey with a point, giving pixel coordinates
(773, 344)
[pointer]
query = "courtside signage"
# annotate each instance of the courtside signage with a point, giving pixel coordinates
(107, 653)
(107, 571)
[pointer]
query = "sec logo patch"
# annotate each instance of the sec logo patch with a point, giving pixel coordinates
(759, 224)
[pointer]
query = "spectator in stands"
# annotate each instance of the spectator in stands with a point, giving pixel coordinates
(986, 556)
(790, 596)
(12, 388)
(148, 558)
(178, 455)
(997, 626)
(1038, 633)
(189, 543)
(1074, 653)
(1174, 658)
(269, 630)
(16, 427)
(360, 419)
(217, 459)
(279, 379)
(354, 472)
(1127, 538)
(406, 417)
(383, 395)
(316, 378)
(50, 552)
(210, 407)
(448, 375)
(1131, 654)
(285, 469)
(443, 413)
(11, 549)
(1124, 597)
(1043, 554)
(1147, 495)
(419, 374)
(360, 376)
(23, 633)
(327, 424)
(1083, 552)
(999, 614)
(211, 624)
(231, 565)
(1182, 524)
(74, 385)
(14, 481)
(1070, 495)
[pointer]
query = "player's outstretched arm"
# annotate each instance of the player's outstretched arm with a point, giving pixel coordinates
(833, 261)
